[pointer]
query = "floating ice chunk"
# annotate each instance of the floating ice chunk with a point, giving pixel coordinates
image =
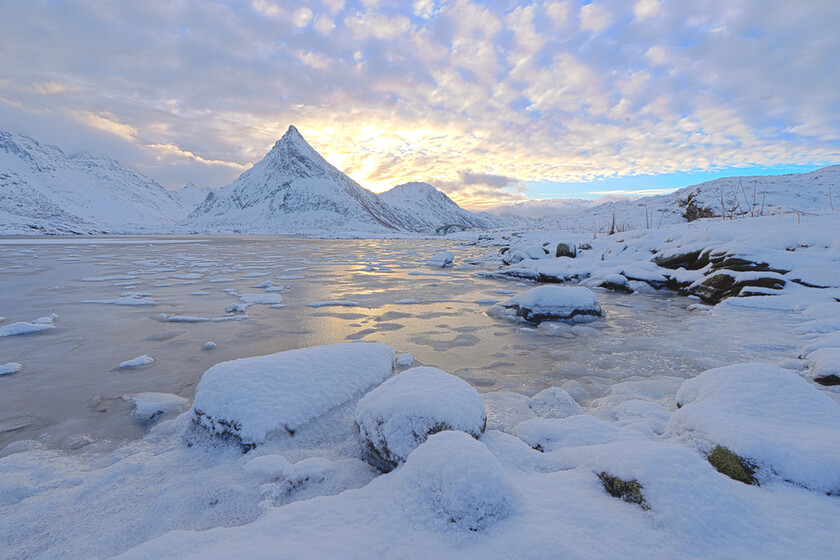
(454, 482)
(109, 278)
(130, 300)
(554, 402)
(405, 360)
(551, 303)
(407, 301)
(486, 301)
(255, 274)
(421, 273)
(770, 416)
(151, 406)
(40, 324)
(236, 308)
(222, 280)
(442, 259)
(401, 413)
(230, 318)
(189, 276)
(209, 345)
(143, 360)
(10, 368)
(261, 299)
(504, 292)
(251, 398)
(335, 303)
(199, 293)
(186, 319)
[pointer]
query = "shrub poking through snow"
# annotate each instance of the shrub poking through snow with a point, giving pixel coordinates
(628, 490)
(252, 398)
(401, 413)
(733, 466)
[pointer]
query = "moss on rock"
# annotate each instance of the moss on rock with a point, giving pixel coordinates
(628, 490)
(735, 467)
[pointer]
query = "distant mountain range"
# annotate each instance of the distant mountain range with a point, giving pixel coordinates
(291, 190)
(294, 190)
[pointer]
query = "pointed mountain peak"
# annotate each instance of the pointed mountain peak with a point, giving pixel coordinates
(292, 136)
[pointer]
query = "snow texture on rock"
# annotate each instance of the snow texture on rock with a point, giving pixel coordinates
(769, 416)
(401, 413)
(252, 398)
(552, 303)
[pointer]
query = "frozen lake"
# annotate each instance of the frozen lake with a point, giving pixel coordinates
(70, 385)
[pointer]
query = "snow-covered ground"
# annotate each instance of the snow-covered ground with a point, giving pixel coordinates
(98, 460)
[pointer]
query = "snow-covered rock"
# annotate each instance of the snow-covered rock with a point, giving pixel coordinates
(770, 416)
(554, 402)
(442, 259)
(454, 482)
(548, 434)
(551, 303)
(151, 406)
(401, 413)
(253, 398)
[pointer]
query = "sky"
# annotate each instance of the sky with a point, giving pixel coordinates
(493, 102)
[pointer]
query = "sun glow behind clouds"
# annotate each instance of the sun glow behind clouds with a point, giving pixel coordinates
(484, 100)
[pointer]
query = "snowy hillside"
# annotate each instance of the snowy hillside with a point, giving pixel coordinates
(294, 190)
(189, 197)
(43, 190)
(733, 196)
(424, 208)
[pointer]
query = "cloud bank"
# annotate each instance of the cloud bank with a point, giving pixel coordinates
(474, 97)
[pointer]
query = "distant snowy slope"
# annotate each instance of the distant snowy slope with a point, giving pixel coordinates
(422, 207)
(734, 196)
(41, 189)
(189, 197)
(294, 190)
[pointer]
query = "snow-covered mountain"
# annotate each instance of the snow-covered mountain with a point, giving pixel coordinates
(294, 190)
(422, 207)
(43, 190)
(733, 196)
(189, 197)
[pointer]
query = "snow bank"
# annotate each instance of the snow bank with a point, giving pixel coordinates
(554, 402)
(40, 324)
(401, 413)
(454, 482)
(770, 416)
(251, 398)
(551, 303)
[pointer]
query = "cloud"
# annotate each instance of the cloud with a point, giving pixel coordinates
(446, 92)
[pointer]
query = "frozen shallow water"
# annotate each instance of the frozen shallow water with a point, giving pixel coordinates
(167, 297)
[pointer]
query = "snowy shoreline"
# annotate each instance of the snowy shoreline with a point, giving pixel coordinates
(534, 482)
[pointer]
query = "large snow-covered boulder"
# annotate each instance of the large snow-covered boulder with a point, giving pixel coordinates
(251, 398)
(769, 416)
(551, 303)
(455, 482)
(401, 413)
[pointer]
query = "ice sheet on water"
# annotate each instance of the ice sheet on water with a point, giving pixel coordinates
(10, 368)
(40, 324)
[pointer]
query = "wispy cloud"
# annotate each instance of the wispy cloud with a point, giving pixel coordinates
(444, 92)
